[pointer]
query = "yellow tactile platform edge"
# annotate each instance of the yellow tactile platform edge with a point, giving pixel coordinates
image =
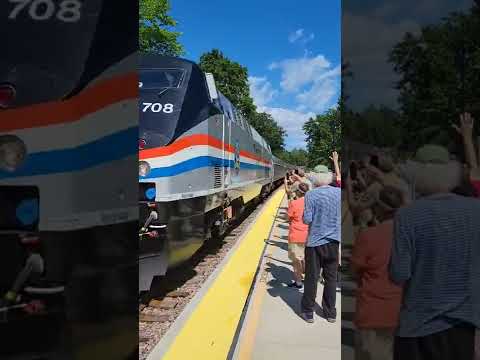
(209, 332)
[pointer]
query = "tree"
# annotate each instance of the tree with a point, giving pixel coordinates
(231, 79)
(269, 129)
(295, 156)
(378, 126)
(439, 76)
(324, 135)
(155, 29)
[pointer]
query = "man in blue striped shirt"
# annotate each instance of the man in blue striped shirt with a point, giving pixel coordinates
(436, 256)
(322, 213)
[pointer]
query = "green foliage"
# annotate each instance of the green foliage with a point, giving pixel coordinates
(231, 79)
(324, 135)
(155, 29)
(436, 81)
(269, 129)
(381, 127)
(298, 157)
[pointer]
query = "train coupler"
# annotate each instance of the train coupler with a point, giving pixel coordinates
(153, 216)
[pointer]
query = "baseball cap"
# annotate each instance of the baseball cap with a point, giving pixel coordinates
(321, 169)
(432, 154)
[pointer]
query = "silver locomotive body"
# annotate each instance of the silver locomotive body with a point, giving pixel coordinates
(68, 194)
(203, 173)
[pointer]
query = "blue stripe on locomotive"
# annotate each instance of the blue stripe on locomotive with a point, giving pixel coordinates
(196, 163)
(110, 148)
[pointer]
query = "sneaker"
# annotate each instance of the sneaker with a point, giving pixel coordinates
(331, 320)
(295, 285)
(308, 317)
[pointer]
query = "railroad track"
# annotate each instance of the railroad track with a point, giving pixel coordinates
(170, 294)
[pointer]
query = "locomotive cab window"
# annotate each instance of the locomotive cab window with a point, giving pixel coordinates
(161, 78)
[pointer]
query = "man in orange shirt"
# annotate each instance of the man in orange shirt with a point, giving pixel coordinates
(378, 298)
(297, 235)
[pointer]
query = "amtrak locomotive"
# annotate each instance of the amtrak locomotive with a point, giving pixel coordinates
(68, 196)
(200, 163)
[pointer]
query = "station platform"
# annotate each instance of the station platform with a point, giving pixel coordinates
(246, 311)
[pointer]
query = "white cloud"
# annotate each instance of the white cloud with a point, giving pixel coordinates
(295, 35)
(300, 36)
(261, 90)
(299, 72)
(310, 85)
(313, 80)
(292, 121)
(320, 96)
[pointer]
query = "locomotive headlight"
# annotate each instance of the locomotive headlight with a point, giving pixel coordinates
(143, 168)
(12, 152)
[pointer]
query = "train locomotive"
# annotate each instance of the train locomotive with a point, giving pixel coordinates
(68, 195)
(200, 163)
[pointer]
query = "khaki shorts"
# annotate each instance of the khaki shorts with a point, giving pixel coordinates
(296, 251)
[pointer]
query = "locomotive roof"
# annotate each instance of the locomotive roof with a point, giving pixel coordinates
(154, 60)
(162, 61)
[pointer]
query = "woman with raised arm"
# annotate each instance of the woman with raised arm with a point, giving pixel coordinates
(297, 235)
(466, 131)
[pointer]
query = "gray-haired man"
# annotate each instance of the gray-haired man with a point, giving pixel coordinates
(323, 215)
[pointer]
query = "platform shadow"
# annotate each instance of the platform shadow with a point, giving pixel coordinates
(282, 217)
(281, 277)
(278, 287)
(277, 260)
(280, 244)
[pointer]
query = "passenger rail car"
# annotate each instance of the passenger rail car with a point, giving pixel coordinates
(200, 163)
(68, 135)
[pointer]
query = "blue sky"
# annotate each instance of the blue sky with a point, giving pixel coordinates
(292, 52)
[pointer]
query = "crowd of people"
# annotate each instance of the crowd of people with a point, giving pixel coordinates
(416, 251)
(314, 213)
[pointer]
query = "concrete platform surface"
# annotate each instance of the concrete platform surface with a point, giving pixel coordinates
(206, 328)
(273, 328)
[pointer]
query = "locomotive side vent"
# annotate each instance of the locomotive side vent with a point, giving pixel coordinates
(217, 174)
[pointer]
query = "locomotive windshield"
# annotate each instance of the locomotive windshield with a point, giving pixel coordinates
(161, 78)
(161, 98)
(48, 43)
(173, 99)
